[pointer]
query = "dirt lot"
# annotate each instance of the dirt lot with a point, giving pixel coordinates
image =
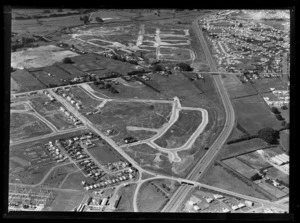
(126, 201)
(23, 126)
(181, 130)
(39, 56)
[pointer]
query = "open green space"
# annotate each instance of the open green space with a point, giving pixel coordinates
(272, 189)
(26, 125)
(217, 176)
(188, 121)
(73, 181)
(241, 90)
(57, 175)
(126, 202)
(235, 149)
(104, 153)
(240, 167)
(60, 121)
(254, 116)
(154, 194)
(17, 106)
(264, 85)
(25, 81)
(88, 103)
(65, 201)
(255, 160)
(119, 115)
(285, 140)
(274, 173)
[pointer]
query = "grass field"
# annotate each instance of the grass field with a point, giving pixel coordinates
(241, 147)
(104, 153)
(254, 160)
(88, 103)
(254, 116)
(17, 107)
(240, 167)
(126, 201)
(181, 130)
(25, 81)
(66, 201)
(119, 115)
(149, 199)
(217, 176)
(39, 56)
(146, 175)
(240, 90)
(285, 140)
(73, 181)
(277, 174)
(24, 126)
(150, 159)
(51, 112)
(58, 175)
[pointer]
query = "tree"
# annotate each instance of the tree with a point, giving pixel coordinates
(98, 19)
(283, 123)
(275, 110)
(68, 60)
(284, 107)
(256, 177)
(184, 67)
(279, 117)
(268, 134)
(157, 67)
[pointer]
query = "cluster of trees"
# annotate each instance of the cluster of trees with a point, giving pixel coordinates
(256, 177)
(247, 137)
(84, 18)
(268, 134)
(278, 116)
(136, 72)
(25, 42)
(184, 67)
(104, 85)
(68, 60)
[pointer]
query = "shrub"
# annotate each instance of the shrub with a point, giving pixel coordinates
(68, 60)
(279, 117)
(275, 110)
(269, 135)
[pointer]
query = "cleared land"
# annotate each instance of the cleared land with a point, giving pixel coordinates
(73, 181)
(51, 112)
(104, 153)
(58, 175)
(181, 130)
(126, 201)
(150, 159)
(119, 115)
(39, 56)
(24, 126)
(255, 116)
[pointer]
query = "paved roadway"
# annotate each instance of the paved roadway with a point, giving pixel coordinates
(202, 165)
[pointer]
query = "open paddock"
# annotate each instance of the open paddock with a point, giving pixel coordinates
(240, 167)
(66, 201)
(26, 125)
(255, 160)
(73, 71)
(105, 154)
(25, 81)
(181, 130)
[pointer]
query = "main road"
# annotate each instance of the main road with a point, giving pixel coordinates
(202, 165)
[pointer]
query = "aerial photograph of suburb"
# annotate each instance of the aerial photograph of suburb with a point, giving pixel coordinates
(149, 110)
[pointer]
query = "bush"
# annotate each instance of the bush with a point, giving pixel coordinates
(268, 134)
(279, 117)
(68, 60)
(284, 107)
(184, 67)
(98, 19)
(275, 110)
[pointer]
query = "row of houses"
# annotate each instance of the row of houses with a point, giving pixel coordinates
(75, 120)
(55, 152)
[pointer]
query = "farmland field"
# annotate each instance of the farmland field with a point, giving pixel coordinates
(239, 166)
(119, 115)
(104, 153)
(39, 56)
(217, 176)
(254, 116)
(25, 81)
(254, 160)
(181, 130)
(126, 201)
(24, 126)
(149, 199)
(272, 189)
